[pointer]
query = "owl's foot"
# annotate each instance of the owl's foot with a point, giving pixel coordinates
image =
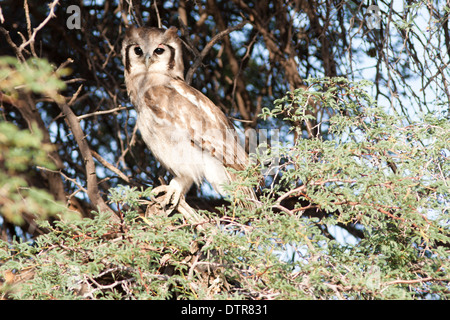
(169, 201)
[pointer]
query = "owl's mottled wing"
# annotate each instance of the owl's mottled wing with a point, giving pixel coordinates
(187, 110)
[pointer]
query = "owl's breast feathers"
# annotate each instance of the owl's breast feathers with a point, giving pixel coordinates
(180, 108)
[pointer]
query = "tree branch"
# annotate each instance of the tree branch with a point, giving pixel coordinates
(111, 167)
(207, 48)
(91, 176)
(41, 25)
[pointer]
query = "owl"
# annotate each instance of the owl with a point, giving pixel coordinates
(186, 132)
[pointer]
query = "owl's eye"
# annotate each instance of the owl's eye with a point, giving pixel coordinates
(138, 51)
(159, 51)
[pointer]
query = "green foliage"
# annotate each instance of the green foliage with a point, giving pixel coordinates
(21, 152)
(387, 178)
(95, 258)
(36, 75)
(375, 176)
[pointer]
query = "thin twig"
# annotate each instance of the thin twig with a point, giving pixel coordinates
(105, 163)
(157, 14)
(43, 23)
(12, 44)
(208, 47)
(97, 113)
(389, 283)
(27, 17)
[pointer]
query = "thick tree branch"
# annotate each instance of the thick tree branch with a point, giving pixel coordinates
(91, 176)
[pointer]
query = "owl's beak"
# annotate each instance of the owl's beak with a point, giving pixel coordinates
(147, 60)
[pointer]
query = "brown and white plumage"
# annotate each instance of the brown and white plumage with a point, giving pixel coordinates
(186, 132)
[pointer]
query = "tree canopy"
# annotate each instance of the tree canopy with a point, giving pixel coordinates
(353, 97)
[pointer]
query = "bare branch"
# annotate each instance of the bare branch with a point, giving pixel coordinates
(41, 25)
(207, 48)
(91, 176)
(111, 167)
(97, 113)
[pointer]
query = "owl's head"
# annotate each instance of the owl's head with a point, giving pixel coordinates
(149, 49)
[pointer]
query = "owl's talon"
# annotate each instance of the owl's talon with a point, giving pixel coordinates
(170, 199)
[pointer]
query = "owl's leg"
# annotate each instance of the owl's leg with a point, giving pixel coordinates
(173, 193)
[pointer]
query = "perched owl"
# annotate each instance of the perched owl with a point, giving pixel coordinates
(188, 134)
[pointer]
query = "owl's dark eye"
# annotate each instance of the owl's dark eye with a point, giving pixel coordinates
(159, 51)
(138, 51)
